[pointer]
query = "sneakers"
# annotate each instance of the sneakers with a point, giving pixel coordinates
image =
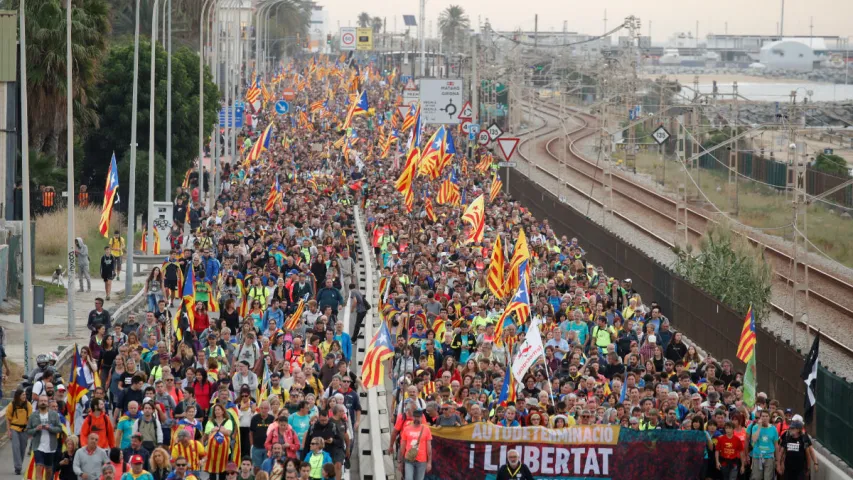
(108, 297)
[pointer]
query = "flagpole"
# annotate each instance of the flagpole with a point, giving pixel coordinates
(151, 144)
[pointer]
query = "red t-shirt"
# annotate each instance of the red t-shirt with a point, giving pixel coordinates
(409, 439)
(729, 448)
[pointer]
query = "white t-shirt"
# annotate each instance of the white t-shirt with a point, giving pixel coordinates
(44, 441)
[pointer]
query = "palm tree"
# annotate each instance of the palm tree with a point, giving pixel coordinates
(453, 23)
(289, 18)
(377, 23)
(90, 26)
(363, 20)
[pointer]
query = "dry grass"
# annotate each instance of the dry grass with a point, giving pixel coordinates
(52, 234)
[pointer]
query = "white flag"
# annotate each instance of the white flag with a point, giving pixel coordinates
(528, 353)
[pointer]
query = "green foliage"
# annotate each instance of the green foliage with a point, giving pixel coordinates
(364, 20)
(46, 80)
(454, 23)
(114, 109)
(832, 164)
(141, 193)
(45, 172)
(729, 269)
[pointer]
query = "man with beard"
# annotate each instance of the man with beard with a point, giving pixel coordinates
(514, 469)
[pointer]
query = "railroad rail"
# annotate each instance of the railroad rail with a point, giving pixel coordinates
(590, 171)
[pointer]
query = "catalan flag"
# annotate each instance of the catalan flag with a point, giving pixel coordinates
(411, 117)
(110, 194)
(497, 184)
(746, 345)
(519, 304)
(485, 162)
(358, 107)
(77, 387)
(379, 350)
(429, 210)
(433, 153)
(316, 106)
(520, 254)
(274, 197)
(293, 321)
(507, 394)
(448, 193)
(212, 302)
(497, 265)
(407, 177)
(261, 145)
(475, 215)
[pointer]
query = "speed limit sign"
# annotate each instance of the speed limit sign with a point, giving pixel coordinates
(483, 138)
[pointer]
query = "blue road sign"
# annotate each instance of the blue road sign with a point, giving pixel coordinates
(405, 79)
(226, 118)
(281, 107)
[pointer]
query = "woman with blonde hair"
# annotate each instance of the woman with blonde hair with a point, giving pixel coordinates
(160, 464)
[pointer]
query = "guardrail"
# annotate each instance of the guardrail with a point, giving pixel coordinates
(378, 430)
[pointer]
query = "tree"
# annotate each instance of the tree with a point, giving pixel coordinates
(730, 269)
(377, 24)
(453, 23)
(832, 164)
(46, 65)
(363, 20)
(114, 108)
(288, 19)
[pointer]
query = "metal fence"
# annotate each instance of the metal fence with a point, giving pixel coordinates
(834, 416)
(702, 318)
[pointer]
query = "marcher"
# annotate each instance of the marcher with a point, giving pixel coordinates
(514, 469)
(81, 256)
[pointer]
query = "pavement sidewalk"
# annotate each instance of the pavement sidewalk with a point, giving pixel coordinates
(54, 332)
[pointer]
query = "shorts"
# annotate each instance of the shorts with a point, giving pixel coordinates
(43, 459)
(171, 284)
(338, 455)
(108, 278)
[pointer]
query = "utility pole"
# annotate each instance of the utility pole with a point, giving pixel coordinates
(475, 80)
(782, 21)
(605, 20)
(69, 119)
(131, 203)
(733, 158)
(681, 198)
(633, 25)
(604, 144)
(799, 265)
(661, 108)
(535, 31)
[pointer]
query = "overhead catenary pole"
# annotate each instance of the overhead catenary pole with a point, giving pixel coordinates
(69, 119)
(201, 24)
(27, 293)
(131, 205)
(475, 81)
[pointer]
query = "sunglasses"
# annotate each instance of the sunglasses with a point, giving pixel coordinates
(180, 464)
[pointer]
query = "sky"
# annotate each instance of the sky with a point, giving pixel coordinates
(830, 17)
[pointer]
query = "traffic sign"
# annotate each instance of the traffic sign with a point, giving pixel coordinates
(660, 135)
(494, 131)
(347, 38)
(229, 119)
(508, 146)
(473, 128)
(281, 107)
(404, 110)
(483, 138)
(466, 112)
(464, 125)
(288, 94)
(508, 164)
(410, 84)
(472, 136)
(405, 78)
(441, 99)
(827, 151)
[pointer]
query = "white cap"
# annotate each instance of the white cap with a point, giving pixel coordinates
(652, 339)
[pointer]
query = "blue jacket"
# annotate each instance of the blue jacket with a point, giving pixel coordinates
(329, 296)
(346, 345)
(211, 269)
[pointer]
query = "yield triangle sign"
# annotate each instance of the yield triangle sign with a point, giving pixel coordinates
(508, 146)
(404, 110)
(467, 112)
(410, 85)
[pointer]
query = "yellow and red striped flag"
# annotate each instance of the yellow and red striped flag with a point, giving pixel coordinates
(497, 184)
(497, 265)
(293, 321)
(379, 350)
(475, 215)
(429, 210)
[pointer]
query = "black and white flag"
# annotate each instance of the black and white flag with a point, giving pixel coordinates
(809, 375)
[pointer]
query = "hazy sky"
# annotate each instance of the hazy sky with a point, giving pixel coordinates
(831, 17)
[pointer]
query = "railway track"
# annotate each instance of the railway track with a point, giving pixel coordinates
(632, 201)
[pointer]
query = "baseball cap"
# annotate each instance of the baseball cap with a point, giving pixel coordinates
(418, 413)
(136, 459)
(61, 387)
(231, 467)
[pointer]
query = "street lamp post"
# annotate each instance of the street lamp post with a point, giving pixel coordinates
(151, 149)
(168, 26)
(201, 22)
(69, 119)
(27, 292)
(131, 206)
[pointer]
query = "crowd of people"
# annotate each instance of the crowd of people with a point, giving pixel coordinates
(252, 375)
